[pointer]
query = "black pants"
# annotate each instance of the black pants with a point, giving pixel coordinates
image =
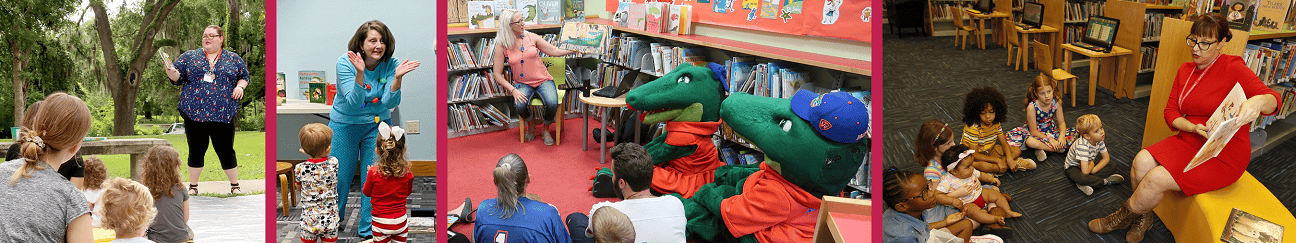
(1093, 180)
(222, 140)
(576, 224)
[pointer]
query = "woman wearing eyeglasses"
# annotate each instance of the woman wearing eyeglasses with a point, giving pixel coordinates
(1199, 88)
(521, 49)
(211, 82)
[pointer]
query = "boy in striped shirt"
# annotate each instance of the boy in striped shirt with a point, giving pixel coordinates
(1084, 166)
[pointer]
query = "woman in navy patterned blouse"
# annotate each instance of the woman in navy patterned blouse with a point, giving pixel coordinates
(212, 81)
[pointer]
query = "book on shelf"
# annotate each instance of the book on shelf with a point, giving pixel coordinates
(573, 10)
(1152, 24)
(637, 16)
(549, 11)
(739, 68)
(1148, 63)
(585, 37)
(475, 86)
(681, 19)
(1079, 12)
(622, 15)
(1270, 14)
(458, 11)
(1194, 8)
(1289, 23)
(1239, 13)
(468, 116)
(529, 9)
(501, 5)
(655, 16)
(481, 15)
(1271, 60)
(305, 78)
(1246, 227)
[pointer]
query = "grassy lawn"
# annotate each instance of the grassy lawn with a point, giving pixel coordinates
(249, 148)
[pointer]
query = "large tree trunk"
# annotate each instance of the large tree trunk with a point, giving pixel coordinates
(124, 88)
(20, 97)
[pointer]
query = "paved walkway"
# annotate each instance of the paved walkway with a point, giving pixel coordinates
(223, 187)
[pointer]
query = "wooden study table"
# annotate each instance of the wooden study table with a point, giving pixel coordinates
(996, 17)
(1026, 39)
(1120, 53)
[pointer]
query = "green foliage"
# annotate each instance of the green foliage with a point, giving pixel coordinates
(252, 117)
(149, 130)
(101, 111)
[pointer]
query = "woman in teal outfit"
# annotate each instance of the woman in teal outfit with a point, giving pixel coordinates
(365, 97)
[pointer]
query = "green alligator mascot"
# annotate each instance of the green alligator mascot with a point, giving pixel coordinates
(812, 148)
(687, 99)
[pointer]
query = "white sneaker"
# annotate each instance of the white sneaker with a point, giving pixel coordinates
(1040, 155)
(1088, 190)
(985, 239)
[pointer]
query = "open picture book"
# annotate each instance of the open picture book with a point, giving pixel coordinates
(592, 39)
(1223, 124)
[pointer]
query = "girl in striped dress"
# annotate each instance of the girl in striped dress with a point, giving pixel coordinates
(389, 186)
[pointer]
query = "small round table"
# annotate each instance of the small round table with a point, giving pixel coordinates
(284, 171)
(605, 103)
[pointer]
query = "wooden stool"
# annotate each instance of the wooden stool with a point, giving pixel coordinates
(287, 193)
(1201, 217)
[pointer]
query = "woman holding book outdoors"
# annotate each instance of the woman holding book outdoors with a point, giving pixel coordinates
(369, 86)
(521, 49)
(1199, 88)
(211, 82)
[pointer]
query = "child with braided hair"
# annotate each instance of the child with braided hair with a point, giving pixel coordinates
(908, 197)
(389, 186)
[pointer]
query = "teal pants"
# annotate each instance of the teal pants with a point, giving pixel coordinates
(353, 146)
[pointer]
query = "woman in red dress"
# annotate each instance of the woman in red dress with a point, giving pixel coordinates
(1198, 90)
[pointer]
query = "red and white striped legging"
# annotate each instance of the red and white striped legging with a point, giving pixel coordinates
(391, 230)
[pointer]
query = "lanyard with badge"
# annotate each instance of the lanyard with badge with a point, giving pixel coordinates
(210, 75)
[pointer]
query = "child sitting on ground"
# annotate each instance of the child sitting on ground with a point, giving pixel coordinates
(95, 175)
(1083, 165)
(907, 195)
(609, 225)
(983, 113)
(127, 210)
(389, 186)
(1045, 128)
(162, 177)
(957, 161)
(317, 180)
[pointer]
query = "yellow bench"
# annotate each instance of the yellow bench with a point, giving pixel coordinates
(1201, 218)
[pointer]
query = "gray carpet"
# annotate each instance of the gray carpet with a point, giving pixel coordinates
(928, 78)
(422, 197)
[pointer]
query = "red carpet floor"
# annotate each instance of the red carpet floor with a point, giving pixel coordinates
(560, 174)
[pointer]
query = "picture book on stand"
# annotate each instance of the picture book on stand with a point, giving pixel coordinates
(655, 16)
(304, 78)
(1224, 124)
(549, 11)
(1270, 14)
(637, 12)
(1239, 13)
(681, 21)
(528, 8)
(585, 37)
(481, 14)
(501, 5)
(573, 10)
(622, 15)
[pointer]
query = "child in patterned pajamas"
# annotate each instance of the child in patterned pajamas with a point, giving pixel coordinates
(389, 186)
(317, 179)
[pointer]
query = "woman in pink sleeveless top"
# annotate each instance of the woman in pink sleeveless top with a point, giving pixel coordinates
(521, 49)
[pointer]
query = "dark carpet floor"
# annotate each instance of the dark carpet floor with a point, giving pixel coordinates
(928, 78)
(422, 197)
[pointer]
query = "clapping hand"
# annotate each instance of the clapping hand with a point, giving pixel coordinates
(406, 67)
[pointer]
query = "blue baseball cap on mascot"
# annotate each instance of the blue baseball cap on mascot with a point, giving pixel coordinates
(839, 116)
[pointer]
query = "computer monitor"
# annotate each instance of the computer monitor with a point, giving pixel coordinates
(1101, 31)
(985, 6)
(1033, 14)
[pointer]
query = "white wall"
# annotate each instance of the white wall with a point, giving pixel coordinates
(313, 34)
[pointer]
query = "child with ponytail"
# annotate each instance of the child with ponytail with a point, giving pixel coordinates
(389, 186)
(51, 208)
(513, 217)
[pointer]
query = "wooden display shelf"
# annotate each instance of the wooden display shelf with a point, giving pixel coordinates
(1278, 132)
(1158, 6)
(467, 31)
(1272, 35)
(819, 60)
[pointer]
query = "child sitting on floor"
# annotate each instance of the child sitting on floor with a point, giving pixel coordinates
(983, 113)
(317, 180)
(1083, 165)
(907, 195)
(389, 186)
(95, 175)
(961, 174)
(609, 225)
(162, 177)
(1045, 128)
(127, 210)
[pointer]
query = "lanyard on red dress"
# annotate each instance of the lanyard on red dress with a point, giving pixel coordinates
(1184, 94)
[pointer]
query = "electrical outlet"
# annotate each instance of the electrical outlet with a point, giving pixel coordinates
(412, 126)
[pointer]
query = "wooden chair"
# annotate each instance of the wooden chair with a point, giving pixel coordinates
(1015, 59)
(287, 185)
(557, 69)
(1044, 62)
(962, 30)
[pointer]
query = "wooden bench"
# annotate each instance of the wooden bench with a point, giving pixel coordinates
(136, 147)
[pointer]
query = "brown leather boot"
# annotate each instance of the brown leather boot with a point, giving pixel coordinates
(1140, 226)
(1120, 219)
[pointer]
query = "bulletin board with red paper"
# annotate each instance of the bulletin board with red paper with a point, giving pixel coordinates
(843, 19)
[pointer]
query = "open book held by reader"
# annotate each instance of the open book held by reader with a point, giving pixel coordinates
(1223, 124)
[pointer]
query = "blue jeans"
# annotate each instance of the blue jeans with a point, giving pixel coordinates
(548, 92)
(353, 146)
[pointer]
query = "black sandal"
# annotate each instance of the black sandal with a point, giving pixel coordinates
(193, 189)
(235, 186)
